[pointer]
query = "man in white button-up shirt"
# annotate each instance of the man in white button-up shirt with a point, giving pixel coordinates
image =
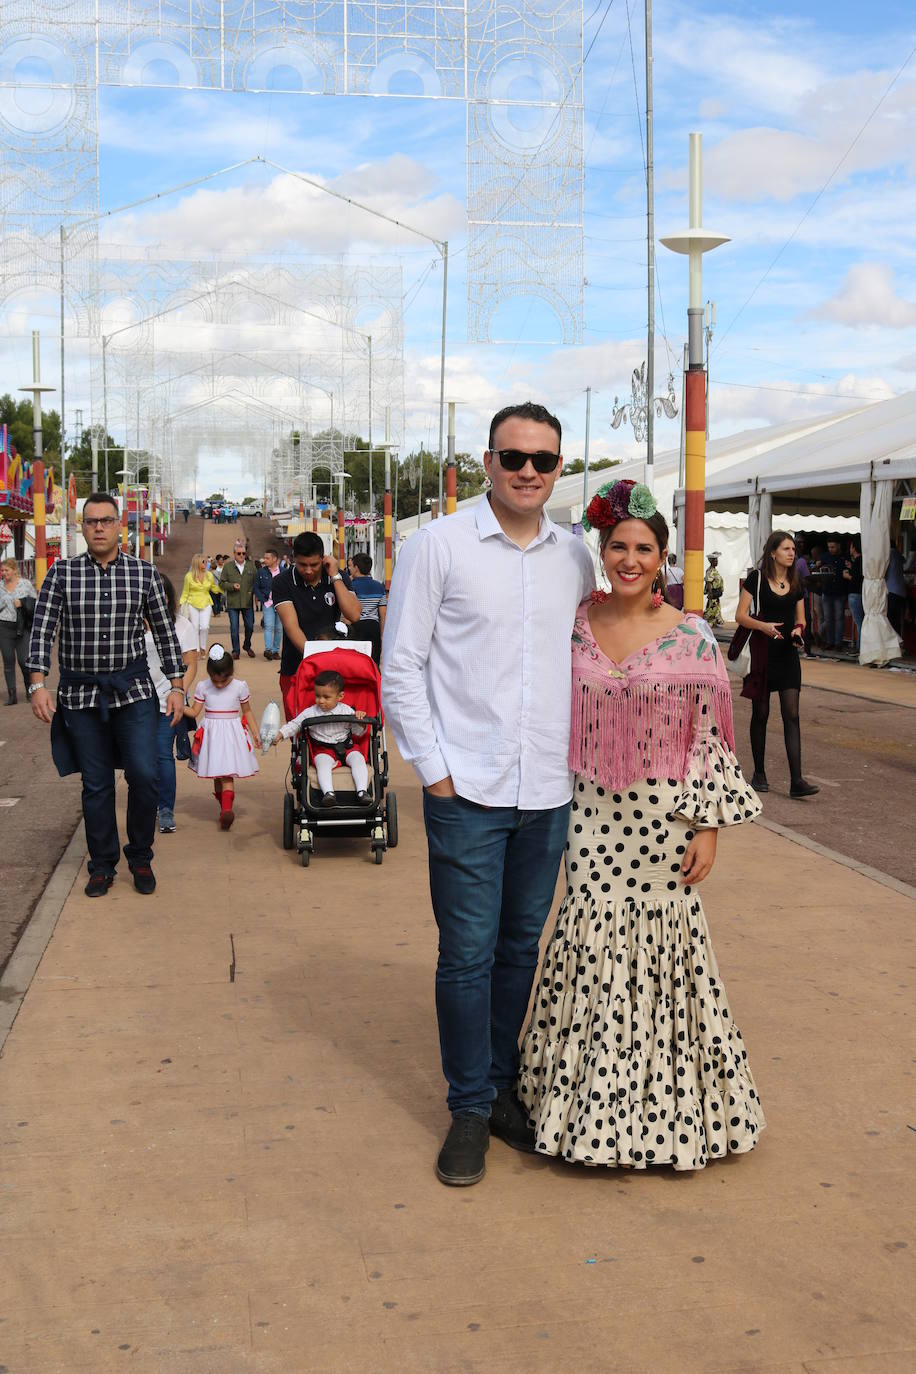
(476, 684)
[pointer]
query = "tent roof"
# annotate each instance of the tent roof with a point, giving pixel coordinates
(826, 467)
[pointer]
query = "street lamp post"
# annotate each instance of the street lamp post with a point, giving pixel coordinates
(694, 242)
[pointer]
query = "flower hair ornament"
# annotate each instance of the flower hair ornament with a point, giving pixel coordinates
(216, 653)
(616, 501)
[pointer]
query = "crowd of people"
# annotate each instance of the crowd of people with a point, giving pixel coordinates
(544, 717)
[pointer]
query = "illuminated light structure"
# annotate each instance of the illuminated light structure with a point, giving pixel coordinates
(516, 66)
(694, 242)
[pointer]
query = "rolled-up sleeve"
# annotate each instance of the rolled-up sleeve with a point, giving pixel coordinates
(413, 604)
(45, 622)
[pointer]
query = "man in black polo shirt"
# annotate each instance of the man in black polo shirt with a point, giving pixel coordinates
(310, 598)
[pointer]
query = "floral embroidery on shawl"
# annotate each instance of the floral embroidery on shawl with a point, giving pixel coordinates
(647, 716)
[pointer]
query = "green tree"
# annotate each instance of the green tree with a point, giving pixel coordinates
(578, 465)
(17, 416)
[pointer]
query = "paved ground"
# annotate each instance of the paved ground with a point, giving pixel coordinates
(862, 753)
(221, 1107)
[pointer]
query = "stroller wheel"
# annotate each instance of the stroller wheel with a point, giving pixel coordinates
(379, 854)
(289, 821)
(304, 857)
(391, 820)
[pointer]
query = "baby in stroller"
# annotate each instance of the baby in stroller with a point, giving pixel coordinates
(332, 740)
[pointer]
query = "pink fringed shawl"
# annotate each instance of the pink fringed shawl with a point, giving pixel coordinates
(647, 716)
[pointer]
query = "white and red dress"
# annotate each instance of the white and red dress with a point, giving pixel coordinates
(225, 749)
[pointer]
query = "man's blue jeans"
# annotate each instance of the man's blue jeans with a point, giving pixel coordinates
(857, 611)
(247, 614)
(165, 761)
(492, 875)
(133, 728)
(834, 619)
(273, 631)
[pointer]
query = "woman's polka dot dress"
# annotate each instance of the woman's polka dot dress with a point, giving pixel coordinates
(632, 1057)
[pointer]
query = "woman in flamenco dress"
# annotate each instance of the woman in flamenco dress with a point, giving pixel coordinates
(631, 1057)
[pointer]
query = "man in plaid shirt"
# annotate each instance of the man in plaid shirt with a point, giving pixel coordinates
(108, 707)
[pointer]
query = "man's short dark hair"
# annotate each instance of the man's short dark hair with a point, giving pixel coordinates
(308, 545)
(330, 678)
(363, 561)
(528, 411)
(100, 498)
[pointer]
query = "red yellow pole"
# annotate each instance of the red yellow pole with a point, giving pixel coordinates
(124, 530)
(141, 516)
(451, 471)
(694, 488)
(39, 516)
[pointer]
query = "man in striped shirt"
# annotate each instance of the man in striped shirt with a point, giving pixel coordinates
(108, 708)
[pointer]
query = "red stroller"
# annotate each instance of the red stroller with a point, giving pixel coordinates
(304, 818)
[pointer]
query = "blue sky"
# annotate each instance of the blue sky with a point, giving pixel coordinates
(816, 294)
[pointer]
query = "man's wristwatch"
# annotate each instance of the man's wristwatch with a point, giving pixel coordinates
(338, 577)
(33, 687)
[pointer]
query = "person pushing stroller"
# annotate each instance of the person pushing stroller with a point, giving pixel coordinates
(333, 740)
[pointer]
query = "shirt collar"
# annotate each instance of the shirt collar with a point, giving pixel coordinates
(94, 562)
(488, 525)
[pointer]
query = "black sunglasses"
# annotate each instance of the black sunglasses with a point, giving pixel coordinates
(513, 460)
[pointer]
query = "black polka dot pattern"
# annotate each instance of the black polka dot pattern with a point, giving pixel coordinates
(631, 1057)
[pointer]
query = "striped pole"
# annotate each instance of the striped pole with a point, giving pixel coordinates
(39, 516)
(694, 242)
(451, 470)
(341, 525)
(387, 506)
(124, 529)
(141, 516)
(694, 488)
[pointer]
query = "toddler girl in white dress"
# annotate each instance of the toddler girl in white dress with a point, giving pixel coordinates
(225, 751)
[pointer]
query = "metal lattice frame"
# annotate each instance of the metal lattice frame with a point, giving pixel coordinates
(193, 348)
(516, 65)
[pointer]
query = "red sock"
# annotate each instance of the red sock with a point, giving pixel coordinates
(217, 788)
(228, 797)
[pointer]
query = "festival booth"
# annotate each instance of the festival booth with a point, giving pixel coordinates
(23, 511)
(861, 466)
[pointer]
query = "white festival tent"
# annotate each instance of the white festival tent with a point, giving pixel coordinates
(862, 463)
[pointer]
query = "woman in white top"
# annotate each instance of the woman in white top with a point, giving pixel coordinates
(165, 739)
(14, 634)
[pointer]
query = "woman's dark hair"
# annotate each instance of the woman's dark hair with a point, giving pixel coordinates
(767, 563)
(220, 667)
(657, 524)
(330, 678)
(528, 410)
(363, 561)
(170, 599)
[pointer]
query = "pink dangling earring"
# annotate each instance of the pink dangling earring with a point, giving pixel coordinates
(657, 594)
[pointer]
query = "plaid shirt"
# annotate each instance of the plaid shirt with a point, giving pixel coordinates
(100, 613)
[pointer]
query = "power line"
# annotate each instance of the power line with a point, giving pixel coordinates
(891, 84)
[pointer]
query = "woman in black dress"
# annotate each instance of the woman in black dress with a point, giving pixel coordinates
(777, 629)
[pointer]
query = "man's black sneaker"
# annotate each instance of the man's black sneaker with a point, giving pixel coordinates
(462, 1159)
(803, 789)
(759, 782)
(509, 1122)
(98, 884)
(143, 879)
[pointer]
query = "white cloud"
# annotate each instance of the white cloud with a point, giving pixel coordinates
(283, 214)
(867, 298)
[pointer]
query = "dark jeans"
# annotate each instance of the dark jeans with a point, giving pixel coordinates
(834, 619)
(492, 875)
(133, 728)
(165, 761)
(13, 649)
(247, 615)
